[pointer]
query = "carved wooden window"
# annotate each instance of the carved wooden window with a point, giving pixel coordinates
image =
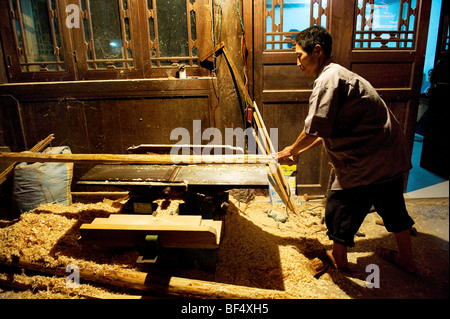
(103, 39)
(106, 27)
(382, 24)
(285, 18)
(33, 45)
(37, 35)
(176, 44)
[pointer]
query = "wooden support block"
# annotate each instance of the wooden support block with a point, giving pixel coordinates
(217, 225)
(173, 231)
(132, 219)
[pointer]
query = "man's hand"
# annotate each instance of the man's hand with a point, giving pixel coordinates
(286, 155)
(303, 143)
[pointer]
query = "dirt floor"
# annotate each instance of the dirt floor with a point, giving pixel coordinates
(256, 251)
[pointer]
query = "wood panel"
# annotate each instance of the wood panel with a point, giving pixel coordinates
(105, 116)
(385, 75)
(396, 73)
(288, 78)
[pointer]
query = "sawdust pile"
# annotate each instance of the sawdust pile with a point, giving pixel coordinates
(44, 287)
(260, 251)
(256, 250)
(48, 235)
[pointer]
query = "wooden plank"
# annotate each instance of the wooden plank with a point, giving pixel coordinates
(135, 158)
(100, 221)
(170, 236)
(131, 219)
(238, 79)
(232, 175)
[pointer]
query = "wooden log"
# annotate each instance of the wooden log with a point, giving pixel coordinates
(174, 286)
(135, 158)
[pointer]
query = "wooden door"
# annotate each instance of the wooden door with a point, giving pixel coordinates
(365, 40)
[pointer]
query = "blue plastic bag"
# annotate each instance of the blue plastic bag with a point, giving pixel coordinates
(41, 183)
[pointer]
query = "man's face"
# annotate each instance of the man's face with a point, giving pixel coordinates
(308, 63)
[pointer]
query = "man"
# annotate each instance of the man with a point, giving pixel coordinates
(364, 143)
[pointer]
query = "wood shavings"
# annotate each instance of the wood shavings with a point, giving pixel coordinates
(166, 207)
(256, 250)
(49, 236)
(261, 252)
(46, 287)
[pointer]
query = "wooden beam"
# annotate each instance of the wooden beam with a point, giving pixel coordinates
(135, 158)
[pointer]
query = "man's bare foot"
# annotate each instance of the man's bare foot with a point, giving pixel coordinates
(394, 258)
(329, 254)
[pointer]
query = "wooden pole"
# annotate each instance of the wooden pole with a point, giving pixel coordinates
(275, 167)
(175, 286)
(135, 158)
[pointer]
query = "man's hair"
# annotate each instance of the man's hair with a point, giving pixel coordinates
(312, 36)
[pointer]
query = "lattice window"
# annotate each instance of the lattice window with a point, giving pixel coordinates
(36, 35)
(46, 40)
(285, 18)
(385, 24)
(106, 30)
(173, 32)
